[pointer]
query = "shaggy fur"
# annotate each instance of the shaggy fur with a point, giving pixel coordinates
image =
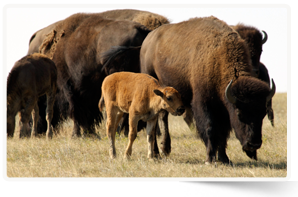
(48, 38)
(253, 39)
(143, 98)
(31, 77)
(77, 48)
(213, 55)
(199, 58)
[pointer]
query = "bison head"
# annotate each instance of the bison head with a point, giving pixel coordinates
(254, 40)
(248, 98)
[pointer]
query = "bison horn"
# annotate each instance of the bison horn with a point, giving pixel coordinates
(265, 37)
(272, 91)
(228, 93)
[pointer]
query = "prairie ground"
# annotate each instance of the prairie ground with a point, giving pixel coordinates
(88, 157)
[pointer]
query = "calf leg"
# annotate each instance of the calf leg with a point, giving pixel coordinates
(151, 135)
(10, 125)
(113, 117)
(25, 116)
(133, 124)
(49, 113)
(35, 115)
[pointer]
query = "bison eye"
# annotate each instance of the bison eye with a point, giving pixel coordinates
(239, 114)
(169, 98)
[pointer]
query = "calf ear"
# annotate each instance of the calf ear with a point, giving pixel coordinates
(158, 92)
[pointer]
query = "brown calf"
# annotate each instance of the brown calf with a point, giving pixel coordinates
(143, 98)
(31, 77)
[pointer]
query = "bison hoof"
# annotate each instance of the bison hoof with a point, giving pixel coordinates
(165, 151)
(207, 163)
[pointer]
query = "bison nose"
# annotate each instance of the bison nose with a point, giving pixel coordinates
(252, 146)
(180, 110)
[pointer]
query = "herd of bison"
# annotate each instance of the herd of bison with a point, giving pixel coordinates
(215, 67)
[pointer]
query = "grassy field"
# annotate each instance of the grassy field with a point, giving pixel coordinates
(88, 157)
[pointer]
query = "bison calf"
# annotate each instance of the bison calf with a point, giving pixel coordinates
(143, 98)
(31, 77)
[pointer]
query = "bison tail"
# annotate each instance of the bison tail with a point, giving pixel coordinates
(121, 58)
(101, 103)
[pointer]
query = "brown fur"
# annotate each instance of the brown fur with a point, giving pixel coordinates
(143, 98)
(77, 47)
(148, 19)
(253, 39)
(199, 58)
(47, 38)
(31, 77)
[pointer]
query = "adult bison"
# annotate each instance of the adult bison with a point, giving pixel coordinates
(254, 40)
(209, 64)
(214, 75)
(76, 46)
(150, 20)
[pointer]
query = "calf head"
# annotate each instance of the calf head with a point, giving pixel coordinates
(248, 99)
(170, 100)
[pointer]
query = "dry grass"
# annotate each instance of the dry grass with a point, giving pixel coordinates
(88, 157)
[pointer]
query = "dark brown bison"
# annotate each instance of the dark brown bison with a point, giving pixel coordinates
(254, 40)
(209, 64)
(76, 46)
(31, 77)
(150, 20)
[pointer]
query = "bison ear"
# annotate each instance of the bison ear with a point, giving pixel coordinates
(158, 92)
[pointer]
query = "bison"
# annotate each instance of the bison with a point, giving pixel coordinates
(150, 20)
(209, 64)
(143, 98)
(254, 40)
(31, 77)
(76, 46)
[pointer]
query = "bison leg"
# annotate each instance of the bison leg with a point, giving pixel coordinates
(164, 126)
(35, 115)
(222, 155)
(211, 150)
(206, 127)
(133, 124)
(188, 118)
(76, 132)
(123, 124)
(49, 113)
(151, 135)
